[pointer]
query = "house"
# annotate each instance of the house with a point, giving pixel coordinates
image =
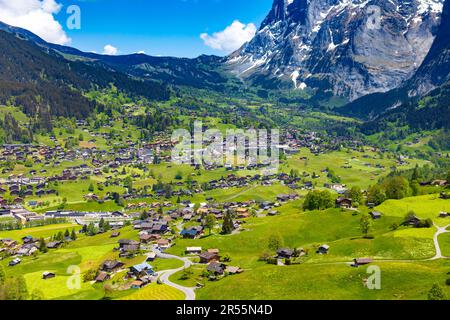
(142, 269)
(54, 244)
(323, 249)
(216, 268)
(233, 270)
(286, 197)
(193, 250)
(151, 257)
(207, 257)
(191, 233)
(28, 239)
(48, 275)
(138, 284)
(412, 221)
(27, 249)
(163, 243)
(444, 215)
(439, 183)
(362, 261)
(8, 242)
(129, 250)
(14, 262)
(345, 203)
(242, 213)
(111, 266)
(145, 238)
(214, 251)
(102, 277)
(115, 234)
(375, 215)
(285, 253)
(125, 242)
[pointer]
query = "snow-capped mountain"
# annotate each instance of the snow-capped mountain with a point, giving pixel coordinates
(348, 47)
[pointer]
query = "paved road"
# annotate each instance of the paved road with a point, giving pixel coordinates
(440, 230)
(164, 275)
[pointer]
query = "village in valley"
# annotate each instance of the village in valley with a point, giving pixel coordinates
(133, 225)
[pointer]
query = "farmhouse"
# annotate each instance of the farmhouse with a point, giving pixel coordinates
(375, 215)
(242, 213)
(14, 262)
(345, 203)
(54, 244)
(207, 257)
(191, 233)
(48, 275)
(362, 261)
(102, 277)
(444, 215)
(233, 270)
(163, 243)
(27, 249)
(193, 250)
(141, 270)
(323, 249)
(111, 266)
(126, 242)
(285, 253)
(216, 268)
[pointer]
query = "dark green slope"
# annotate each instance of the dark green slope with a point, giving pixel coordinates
(42, 81)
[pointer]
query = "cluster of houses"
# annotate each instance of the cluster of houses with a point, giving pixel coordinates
(28, 247)
(211, 258)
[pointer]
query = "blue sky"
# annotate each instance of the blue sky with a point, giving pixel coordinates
(159, 27)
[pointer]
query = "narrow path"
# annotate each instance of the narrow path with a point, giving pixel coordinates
(440, 230)
(165, 275)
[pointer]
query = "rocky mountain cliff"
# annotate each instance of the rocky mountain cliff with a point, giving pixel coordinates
(433, 73)
(349, 48)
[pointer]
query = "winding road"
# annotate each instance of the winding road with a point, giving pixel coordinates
(440, 230)
(165, 274)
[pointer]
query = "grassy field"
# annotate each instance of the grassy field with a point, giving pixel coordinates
(399, 281)
(444, 242)
(38, 232)
(156, 292)
(363, 171)
(428, 206)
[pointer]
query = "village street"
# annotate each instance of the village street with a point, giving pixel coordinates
(165, 275)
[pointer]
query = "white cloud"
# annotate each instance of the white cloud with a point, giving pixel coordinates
(110, 50)
(35, 16)
(141, 52)
(230, 39)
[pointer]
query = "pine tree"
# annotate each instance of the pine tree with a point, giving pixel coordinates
(101, 224)
(73, 235)
(42, 246)
(227, 227)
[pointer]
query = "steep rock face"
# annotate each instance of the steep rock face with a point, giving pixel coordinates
(433, 73)
(350, 47)
(435, 69)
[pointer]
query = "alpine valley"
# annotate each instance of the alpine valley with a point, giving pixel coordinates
(360, 93)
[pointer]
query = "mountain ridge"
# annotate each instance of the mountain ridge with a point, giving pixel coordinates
(323, 45)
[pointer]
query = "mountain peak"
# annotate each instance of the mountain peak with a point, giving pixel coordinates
(339, 45)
